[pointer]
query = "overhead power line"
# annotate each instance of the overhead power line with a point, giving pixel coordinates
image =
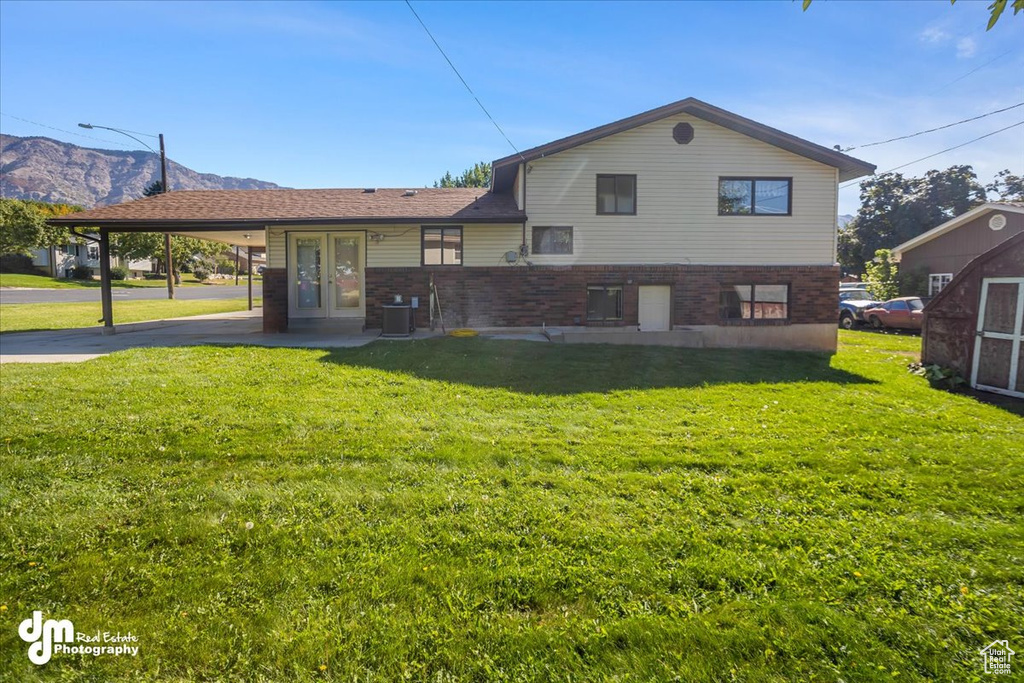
(932, 130)
(978, 68)
(948, 149)
(61, 130)
(482, 107)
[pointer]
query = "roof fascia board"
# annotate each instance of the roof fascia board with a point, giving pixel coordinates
(850, 167)
(218, 225)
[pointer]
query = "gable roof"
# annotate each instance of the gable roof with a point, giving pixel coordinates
(240, 208)
(954, 223)
(973, 265)
(504, 169)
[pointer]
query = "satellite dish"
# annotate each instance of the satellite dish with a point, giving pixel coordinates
(997, 222)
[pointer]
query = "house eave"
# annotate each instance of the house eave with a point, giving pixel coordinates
(170, 225)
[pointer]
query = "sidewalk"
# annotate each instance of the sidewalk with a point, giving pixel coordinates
(238, 328)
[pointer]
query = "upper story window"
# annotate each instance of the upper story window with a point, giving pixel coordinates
(552, 240)
(616, 195)
(442, 246)
(755, 196)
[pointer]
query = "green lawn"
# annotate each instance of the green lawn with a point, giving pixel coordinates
(44, 282)
(475, 510)
(26, 317)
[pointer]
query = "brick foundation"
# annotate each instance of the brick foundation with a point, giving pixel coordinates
(275, 300)
(557, 295)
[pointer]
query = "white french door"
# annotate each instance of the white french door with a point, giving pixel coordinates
(997, 363)
(326, 276)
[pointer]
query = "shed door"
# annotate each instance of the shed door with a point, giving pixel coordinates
(655, 306)
(997, 365)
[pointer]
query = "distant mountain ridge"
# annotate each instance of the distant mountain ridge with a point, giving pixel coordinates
(53, 171)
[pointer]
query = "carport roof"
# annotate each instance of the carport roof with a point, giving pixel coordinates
(221, 210)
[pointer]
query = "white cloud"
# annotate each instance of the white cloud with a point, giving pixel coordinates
(966, 47)
(933, 35)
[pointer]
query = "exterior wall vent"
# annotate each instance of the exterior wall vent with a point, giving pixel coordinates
(997, 222)
(682, 133)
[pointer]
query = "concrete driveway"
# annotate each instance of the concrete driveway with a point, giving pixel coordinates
(238, 328)
(47, 296)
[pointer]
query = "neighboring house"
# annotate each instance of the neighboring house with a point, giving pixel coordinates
(61, 261)
(974, 325)
(684, 218)
(939, 254)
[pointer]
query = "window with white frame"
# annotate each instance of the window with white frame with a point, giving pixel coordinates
(936, 282)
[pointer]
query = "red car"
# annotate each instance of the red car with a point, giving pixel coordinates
(904, 312)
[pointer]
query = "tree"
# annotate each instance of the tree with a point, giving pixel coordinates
(882, 275)
(138, 246)
(995, 10)
(895, 209)
(478, 176)
(154, 188)
(1009, 187)
(23, 225)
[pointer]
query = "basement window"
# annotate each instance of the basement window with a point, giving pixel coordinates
(753, 302)
(604, 302)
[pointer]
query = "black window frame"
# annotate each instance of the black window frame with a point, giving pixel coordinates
(753, 194)
(725, 286)
(534, 241)
(621, 304)
(443, 229)
(615, 177)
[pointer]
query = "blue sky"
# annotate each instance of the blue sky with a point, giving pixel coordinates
(355, 94)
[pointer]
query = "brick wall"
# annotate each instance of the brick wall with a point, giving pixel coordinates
(523, 296)
(275, 300)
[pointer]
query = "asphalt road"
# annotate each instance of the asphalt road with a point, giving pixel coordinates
(49, 296)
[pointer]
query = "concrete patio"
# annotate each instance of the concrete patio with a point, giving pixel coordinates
(227, 329)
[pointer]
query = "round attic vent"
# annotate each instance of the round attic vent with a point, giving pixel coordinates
(997, 222)
(682, 133)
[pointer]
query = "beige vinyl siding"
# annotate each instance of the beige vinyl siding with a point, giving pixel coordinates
(677, 217)
(517, 188)
(482, 245)
(276, 251)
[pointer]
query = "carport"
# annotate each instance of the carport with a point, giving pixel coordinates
(106, 220)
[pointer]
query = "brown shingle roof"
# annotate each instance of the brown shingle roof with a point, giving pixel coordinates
(227, 207)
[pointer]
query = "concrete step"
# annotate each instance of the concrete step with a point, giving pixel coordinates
(327, 325)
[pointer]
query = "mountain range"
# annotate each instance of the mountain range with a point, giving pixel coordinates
(59, 172)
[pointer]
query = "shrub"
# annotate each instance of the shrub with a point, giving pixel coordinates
(226, 268)
(81, 273)
(18, 263)
(119, 273)
(201, 272)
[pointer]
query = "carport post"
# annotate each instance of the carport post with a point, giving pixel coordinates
(170, 265)
(108, 305)
(248, 267)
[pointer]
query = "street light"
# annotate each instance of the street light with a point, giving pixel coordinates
(163, 188)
